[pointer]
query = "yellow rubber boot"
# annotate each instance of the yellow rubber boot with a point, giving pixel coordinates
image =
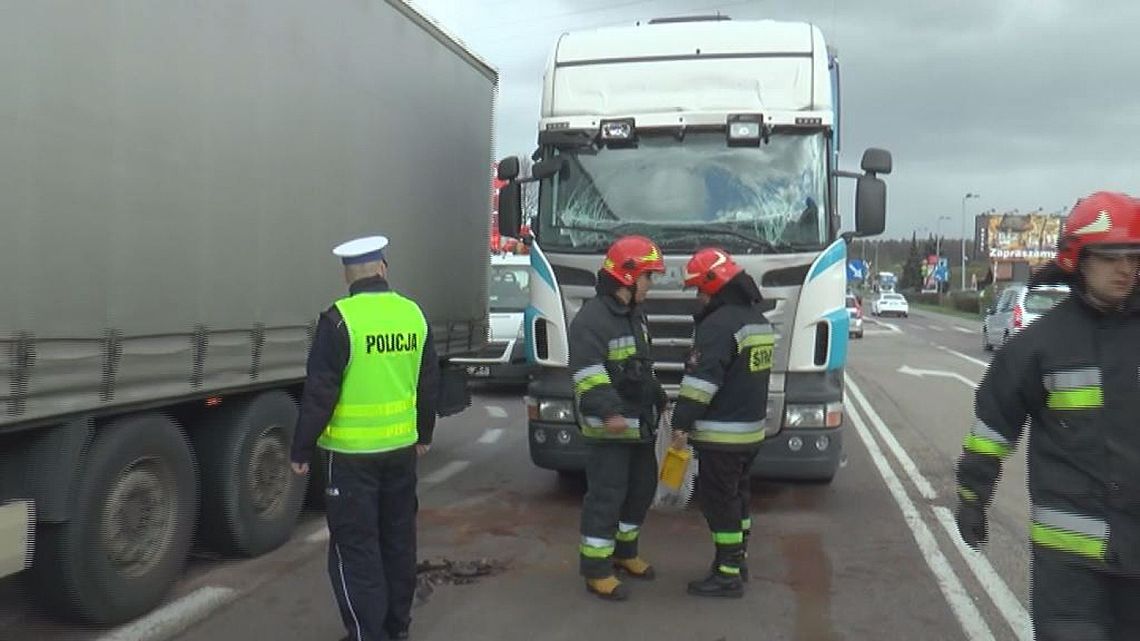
(636, 568)
(608, 588)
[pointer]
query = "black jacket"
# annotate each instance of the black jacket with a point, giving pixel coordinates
(328, 359)
(612, 370)
(1073, 377)
(724, 395)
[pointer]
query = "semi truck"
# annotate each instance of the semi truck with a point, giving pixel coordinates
(173, 179)
(697, 131)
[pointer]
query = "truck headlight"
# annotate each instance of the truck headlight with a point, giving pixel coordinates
(556, 411)
(814, 415)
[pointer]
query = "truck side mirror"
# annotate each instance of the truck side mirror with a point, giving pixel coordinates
(546, 168)
(510, 209)
(508, 168)
(870, 205)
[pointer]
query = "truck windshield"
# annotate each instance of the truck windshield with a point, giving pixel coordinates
(691, 192)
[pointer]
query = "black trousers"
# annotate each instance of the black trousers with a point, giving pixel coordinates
(1072, 601)
(371, 509)
(724, 491)
(621, 480)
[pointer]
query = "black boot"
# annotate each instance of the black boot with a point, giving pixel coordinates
(724, 580)
(718, 584)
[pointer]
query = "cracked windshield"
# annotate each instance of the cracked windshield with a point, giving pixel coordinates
(685, 192)
(569, 320)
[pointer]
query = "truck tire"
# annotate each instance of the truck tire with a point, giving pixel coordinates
(131, 526)
(250, 495)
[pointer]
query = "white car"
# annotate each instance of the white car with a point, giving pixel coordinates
(890, 304)
(503, 359)
(1017, 307)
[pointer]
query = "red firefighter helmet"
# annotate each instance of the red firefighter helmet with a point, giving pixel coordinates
(709, 270)
(1108, 221)
(630, 257)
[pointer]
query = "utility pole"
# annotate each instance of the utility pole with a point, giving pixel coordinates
(964, 199)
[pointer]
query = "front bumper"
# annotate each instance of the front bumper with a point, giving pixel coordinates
(562, 448)
(778, 459)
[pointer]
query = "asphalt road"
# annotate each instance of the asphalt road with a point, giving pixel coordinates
(869, 556)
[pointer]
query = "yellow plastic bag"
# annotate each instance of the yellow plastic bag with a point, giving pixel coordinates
(674, 466)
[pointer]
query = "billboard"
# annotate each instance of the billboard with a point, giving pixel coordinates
(1027, 237)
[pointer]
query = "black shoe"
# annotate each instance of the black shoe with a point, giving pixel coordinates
(718, 585)
(398, 633)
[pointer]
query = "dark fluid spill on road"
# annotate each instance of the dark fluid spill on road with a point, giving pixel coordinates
(809, 577)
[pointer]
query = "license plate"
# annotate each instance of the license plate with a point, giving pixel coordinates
(481, 371)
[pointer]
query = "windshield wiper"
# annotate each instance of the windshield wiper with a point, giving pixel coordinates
(754, 242)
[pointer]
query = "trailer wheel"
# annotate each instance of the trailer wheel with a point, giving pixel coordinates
(131, 527)
(250, 496)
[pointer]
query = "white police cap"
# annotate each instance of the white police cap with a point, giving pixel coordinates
(362, 250)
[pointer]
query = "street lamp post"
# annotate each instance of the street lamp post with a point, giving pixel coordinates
(964, 199)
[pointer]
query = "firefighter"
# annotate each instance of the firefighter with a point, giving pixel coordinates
(370, 403)
(618, 401)
(1074, 374)
(721, 408)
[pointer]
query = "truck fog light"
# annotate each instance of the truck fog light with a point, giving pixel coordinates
(795, 444)
(822, 443)
(564, 437)
(540, 436)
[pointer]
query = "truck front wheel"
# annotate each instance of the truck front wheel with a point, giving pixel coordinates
(250, 496)
(131, 526)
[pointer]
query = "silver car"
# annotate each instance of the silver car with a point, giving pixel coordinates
(1016, 308)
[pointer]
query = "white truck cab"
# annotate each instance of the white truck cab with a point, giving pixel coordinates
(696, 132)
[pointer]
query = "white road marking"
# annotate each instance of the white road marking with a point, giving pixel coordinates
(173, 618)
(891, 326)
(445, 472)
(964, 330)
(916, 477)
(319, 536)
(491, 436)
(937, 328)
(494, 411)
(973, 625)
(963, 356)
(1007, 603)
(922, 373)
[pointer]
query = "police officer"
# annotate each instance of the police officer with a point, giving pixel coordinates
(370, 403)
(721, 408)
(618, 402)
(1075, 375)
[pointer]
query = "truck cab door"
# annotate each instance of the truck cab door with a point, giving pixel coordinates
(544, 321)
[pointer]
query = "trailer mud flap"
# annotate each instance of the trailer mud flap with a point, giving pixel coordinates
(454, 395)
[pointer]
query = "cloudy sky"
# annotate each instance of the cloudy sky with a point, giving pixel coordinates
(1029, 103)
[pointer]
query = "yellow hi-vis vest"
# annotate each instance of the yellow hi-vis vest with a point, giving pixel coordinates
(377, 407)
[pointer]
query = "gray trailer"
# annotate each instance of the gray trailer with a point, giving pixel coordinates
(173, 176)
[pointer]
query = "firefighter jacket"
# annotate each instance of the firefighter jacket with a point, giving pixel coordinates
(723, 398)
(1072, 378)
(613, 372)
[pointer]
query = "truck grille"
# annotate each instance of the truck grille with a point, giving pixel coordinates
(671, 327)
